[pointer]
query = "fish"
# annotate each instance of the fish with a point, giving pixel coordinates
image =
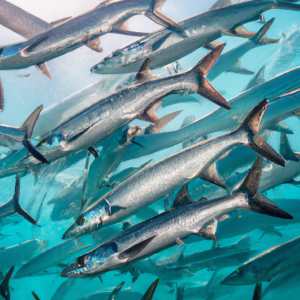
(102, 119)
(167, 45)
(257, 79)
(4, 287)
(51, 257)
(12, 206)
(151, 183)
(171, 227)
(86, 29)
(266, 265)
(241, 104)
(16, 254)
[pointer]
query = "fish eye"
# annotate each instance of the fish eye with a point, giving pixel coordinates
(80, 220)
(117, 53)
(80, 262)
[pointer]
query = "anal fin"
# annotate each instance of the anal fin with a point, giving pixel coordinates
(286, 149)
(212, 175)
(149, 115)
(94, 44)
(43, 67)
(238, 68)
(183, 198)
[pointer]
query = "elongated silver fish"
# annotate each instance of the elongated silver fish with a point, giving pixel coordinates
(266, 265)
(85, 29)
(161, 178)
(171, 227)
(167, 45)
(138, 100)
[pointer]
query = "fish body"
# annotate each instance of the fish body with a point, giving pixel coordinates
(266, 265)
(166, 45)
(77, 32)
(51, 257)
(241, 104)
(106, 116)
(19, 253)
(155, 181)
(166, 229)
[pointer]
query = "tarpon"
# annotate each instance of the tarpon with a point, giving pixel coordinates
(167, 45)
(51, 257)
(12, 206)
(138, 100)
(171, 227)
(20, 253)
(241, 104)
(85, 29)
(4, 287)
(151, 183)
(266, 265)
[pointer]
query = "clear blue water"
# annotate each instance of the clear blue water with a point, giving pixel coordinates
(70, 73)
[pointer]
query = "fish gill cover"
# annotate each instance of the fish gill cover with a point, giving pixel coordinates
(149, 149)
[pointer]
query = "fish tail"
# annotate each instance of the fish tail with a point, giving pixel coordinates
(286, 4)
(18, 209)
(158, 17)
(5, 282)
(258, 38)
(28, 127)
(205, 89)
(251, 126)
(257, 202)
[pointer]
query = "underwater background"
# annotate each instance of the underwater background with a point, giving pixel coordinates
(71, 73)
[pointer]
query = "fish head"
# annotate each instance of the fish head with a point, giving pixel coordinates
(99, 260)
(244, 275)
(124, 60)
(90, 220)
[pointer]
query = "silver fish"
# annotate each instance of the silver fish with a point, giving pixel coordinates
(171, 227)
(167, 45)
(109, 114)
(266, 265)
(159, 179)
(85, 29)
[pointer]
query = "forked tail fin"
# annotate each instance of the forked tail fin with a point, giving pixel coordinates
(251, 126)
(159, 18)
(18, 209)
(27, 127)
(259, 36)
(205, 89)
(257, 202)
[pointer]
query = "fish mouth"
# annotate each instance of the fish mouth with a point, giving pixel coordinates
(71, 232)
(98, 68)
(70, 271)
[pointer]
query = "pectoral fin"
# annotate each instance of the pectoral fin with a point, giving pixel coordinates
(238, 68)
(179, 242)
(150, 114)
(135, 250)
(212, 45)
(115, 208)
(43, 67)
(150, 292)
(209, 232)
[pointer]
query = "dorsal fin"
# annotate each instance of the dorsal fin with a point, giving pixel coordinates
(286, 149)
(183, 198)
(144, 70)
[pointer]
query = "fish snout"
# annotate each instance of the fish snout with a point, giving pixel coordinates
(73, 231)
(232, 279)
(70, 271)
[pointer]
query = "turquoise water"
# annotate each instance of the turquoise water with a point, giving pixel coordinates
(70, 74)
